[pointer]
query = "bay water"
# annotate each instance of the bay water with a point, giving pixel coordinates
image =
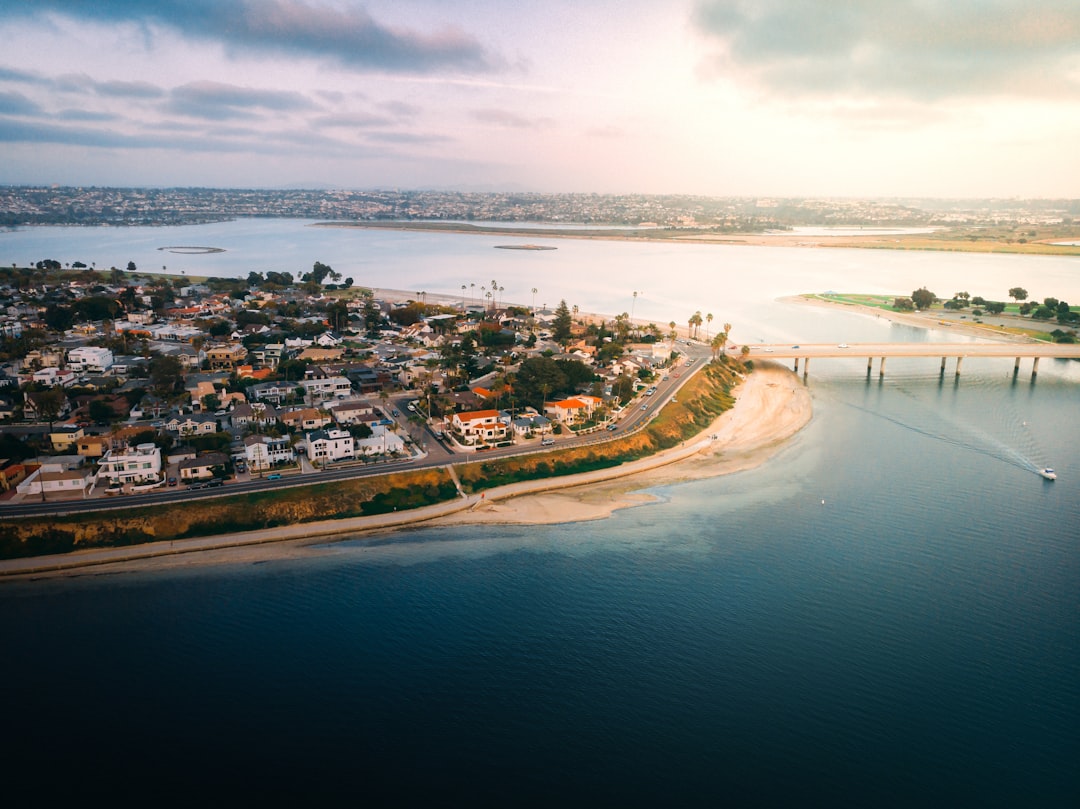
(885, 613)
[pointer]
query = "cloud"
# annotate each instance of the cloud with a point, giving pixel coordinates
(214, 100)
(129, 89)
(914, 49)
(358, 120)
(347, 35)
(510, 120)
(84, 115)
(17, 104)
(223, 140)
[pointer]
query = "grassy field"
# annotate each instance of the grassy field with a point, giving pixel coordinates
(1036, 330)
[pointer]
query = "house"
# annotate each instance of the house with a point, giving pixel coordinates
(226, 356)
(263, 451)
(93, 446)
(192, 425)
(573, 411)
(319, 388)
(269, 356)
(479, 427)
(139, 465)
(32, 408)
(328, 339)
(201, 390)
(64, 438)
(531, 424)
(7, 408)
(273, 392)
(202, 467)
(351, 411)
(325, 446)
(382, 441)
(322, 354)
(56, 482)
(94, 359)
(308, 418)
(257, 414)
(12, 474)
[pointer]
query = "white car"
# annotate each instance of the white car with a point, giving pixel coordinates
(842, 345)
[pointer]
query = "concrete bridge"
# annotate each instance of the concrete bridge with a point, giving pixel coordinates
(1017, 351)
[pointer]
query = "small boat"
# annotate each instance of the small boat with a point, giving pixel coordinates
(1048, 473)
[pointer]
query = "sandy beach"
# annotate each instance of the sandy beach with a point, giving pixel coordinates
(771, 406)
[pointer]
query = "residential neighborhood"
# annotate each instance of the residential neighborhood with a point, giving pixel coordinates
(123, 382)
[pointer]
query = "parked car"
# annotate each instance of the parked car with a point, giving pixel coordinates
(172, 481)
(274, 476)
(547, 441)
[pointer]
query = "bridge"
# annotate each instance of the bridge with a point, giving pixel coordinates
(882, 351)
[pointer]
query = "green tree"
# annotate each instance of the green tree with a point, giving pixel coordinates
(1018, 294)
(166, 375)
(100, 412)
(562, 323)
(923, 298)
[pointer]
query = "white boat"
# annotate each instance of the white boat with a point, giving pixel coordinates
(1048, 473)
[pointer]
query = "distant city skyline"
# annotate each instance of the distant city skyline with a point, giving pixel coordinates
(927, 98)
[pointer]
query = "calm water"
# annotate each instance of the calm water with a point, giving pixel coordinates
(915, 640)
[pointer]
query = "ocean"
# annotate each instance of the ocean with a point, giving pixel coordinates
(886, 613)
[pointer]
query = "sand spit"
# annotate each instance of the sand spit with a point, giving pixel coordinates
(771, 406)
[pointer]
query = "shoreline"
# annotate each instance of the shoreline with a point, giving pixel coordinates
(771, 406)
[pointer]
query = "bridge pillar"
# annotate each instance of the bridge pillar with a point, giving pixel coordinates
(1016, 366)
(806, 367)
(881, 370)
(796, 365)
(1035, 368)
(959, 362)
(943, 365)
(869, 365)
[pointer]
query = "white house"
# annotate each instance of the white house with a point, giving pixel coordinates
(382, 441)
(94, 359)
(326, 387)
(324, 446)
(263, 451)
(478, 427)
(139, 465)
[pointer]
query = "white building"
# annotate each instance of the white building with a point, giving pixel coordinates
(479, 427)
(95, 359)
(325, 446)
(382, 441)
(139, 465)
(326, 388)
(263, 451)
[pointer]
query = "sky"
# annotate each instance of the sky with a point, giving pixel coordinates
(832, 98)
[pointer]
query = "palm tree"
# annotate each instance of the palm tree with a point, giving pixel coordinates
(462, 297)
(708, 320)
(672, 333)
(718, 344)
(695, 322)
(534, 291)
(472, 288)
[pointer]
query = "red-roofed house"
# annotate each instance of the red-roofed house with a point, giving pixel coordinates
(573, 411)
(478, 427)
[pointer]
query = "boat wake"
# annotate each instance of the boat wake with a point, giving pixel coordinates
(967, 439)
